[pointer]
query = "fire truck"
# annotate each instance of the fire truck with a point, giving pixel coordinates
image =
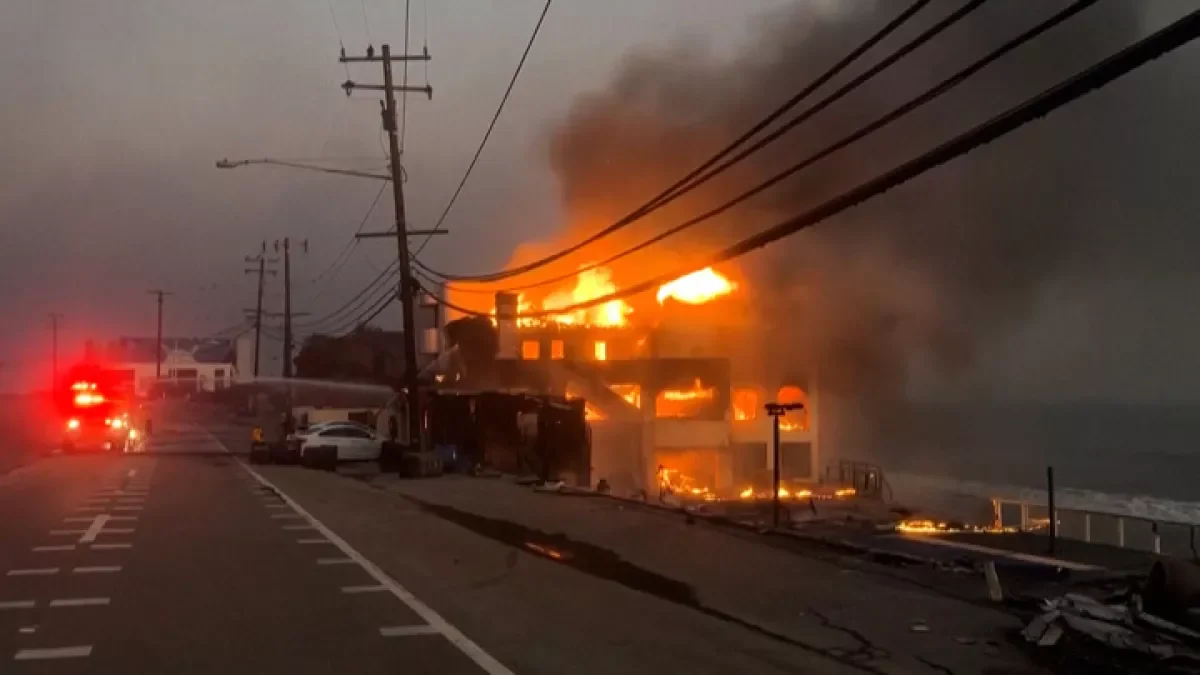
(94, 410)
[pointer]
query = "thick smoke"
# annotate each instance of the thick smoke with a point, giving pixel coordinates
(926, 273)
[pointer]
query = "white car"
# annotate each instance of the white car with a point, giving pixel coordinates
(354, 442)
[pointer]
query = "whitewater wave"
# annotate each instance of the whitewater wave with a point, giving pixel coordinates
(909, 488)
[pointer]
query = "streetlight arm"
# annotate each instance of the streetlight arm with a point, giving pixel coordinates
(233, 164)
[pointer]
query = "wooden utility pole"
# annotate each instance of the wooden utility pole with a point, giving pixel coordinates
(54, 350)
(287, 308)
(262, 270)
(407, 290)
(158, 346)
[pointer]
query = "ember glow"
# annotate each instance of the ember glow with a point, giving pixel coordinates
(696, 288)
(672, 481)
(589, 285)
(683, 402)
(745, 405)
(926, 526)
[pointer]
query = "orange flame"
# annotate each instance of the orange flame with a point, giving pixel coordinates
(696, 288)
(590, 284)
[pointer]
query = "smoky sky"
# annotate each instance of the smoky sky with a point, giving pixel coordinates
(1054, 263)
(112, 115)
(1058, 260)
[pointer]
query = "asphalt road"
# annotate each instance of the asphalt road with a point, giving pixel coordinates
(183, 560)
(180, 561)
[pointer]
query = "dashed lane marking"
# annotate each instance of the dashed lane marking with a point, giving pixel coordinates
(335, 561)
(298, 527)
(59, 547)
(110, 547)
(90, 534)
(65, 532)
(88, 519)
(437, 624)
(79, 602)
(54, 653)
(90, 508)
(280, 516)
(97, 569)
(17, 604)
(126, 508)
(365, 589)
(407, 631)
(36, 572)
(313, 541)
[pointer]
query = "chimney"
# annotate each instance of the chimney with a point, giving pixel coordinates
(506, 326)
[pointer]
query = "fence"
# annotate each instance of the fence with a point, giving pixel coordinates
(1099, 527)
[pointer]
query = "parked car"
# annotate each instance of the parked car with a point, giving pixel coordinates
(354, 442)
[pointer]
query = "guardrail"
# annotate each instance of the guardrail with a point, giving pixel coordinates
(1162, 537)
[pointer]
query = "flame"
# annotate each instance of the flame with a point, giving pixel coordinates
(589, 284)
(745, 404)
(591, 414)
(683, 402)
(632, 393)
(696, 288)
(788, 425)
(673, 481)
(926, 526)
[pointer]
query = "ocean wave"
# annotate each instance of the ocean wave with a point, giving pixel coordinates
(909, 487)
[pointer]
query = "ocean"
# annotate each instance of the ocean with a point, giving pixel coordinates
(1138, 460)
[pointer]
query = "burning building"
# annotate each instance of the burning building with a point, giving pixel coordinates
(672, 401)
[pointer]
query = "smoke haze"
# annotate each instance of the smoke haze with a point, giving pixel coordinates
(933, 274)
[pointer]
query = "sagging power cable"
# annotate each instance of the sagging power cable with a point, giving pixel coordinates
(929, 95)
(695, 179)
(1177, 34)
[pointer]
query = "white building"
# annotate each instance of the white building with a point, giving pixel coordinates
(186, 363)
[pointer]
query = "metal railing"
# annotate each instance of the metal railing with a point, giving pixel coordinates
(1161, 537)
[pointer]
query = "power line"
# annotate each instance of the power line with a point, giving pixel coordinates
(338, 31)
(487, 134)
(385, 277)
(689, 183)
(1164, 41)
(404, 83)
(912, 104)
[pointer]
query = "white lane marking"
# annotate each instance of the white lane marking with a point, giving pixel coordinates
(406, 631)
(55, 653)
(117, 530)
(35, 572)
(90, 508)
(131, 500)
(127, 492)
(335, 561)
(94, 529)
(279, 516)
(78, 602)
(96, 569)
(299, 527)
(16, 604)
(485, 661)
(110, 547)
(60, 547)
(27, 629)
(313, 541)
(365, 589)
(126, 508)
(64, 532)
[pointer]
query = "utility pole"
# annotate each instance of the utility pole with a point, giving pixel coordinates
(262, 270)
(54, 317)
(407, 289)
(287, 308)
(158, 347)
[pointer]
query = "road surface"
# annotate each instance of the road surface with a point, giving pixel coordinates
(186, 560)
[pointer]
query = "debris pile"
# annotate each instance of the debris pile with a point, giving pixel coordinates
(1083, 634)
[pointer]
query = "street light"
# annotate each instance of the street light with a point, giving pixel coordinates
(233, 164)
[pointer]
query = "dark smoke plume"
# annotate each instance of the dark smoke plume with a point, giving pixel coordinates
(927, 272)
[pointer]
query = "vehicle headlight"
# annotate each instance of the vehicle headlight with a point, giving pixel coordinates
(117, 423)
(72, 423)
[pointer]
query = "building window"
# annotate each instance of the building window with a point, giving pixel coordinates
(794, 420)
(556, 349)
(531, 350)
(745, 404)
(601, 350)
(429, 341)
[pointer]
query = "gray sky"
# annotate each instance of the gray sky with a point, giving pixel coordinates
(114, 113)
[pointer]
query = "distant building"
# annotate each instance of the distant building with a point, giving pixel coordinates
(189, 363)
